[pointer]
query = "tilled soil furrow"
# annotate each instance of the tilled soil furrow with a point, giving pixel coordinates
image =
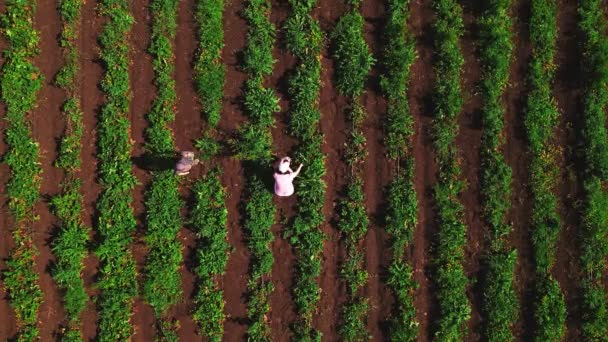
(92, 99)
(186, 128)
(333, 127)
(47, 128)
(420, 91)
(568, 92)
(376, 175)
(518, 157)
(282, 313)
(468, 144)
(235, 279)
(143, 92)
(7, 315)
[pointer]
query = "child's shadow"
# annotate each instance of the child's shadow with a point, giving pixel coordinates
(150, 162)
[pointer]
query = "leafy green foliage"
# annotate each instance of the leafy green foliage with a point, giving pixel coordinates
(162, 286)
(541, 121)
(351, 53)
(70, 246)
(20, 82)
(209, 71)
(117, 275)
(451, 282)
(353, 62)
(255, 140)
(259, 218)
(402, 212)
(500, 305)
(304, 38)
(208, 219)
(594, 249)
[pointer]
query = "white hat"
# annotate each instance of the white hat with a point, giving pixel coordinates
(284, 165)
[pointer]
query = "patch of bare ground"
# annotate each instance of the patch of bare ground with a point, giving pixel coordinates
(334, 128)
(568, 92)
(143, 90)
(517, 156)
(376, 175)
(425, 170)
(91, 100)
(186, 128)
(234, 282)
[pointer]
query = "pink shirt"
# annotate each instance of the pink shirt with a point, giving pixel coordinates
(283, 183)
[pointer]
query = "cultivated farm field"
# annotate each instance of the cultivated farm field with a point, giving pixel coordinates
(454, 187)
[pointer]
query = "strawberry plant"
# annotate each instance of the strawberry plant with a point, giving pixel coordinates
(450, 279)
(402, 204)
(594, 235)
(20, 82)
(116, 224)
(70, 247)
(500, 304)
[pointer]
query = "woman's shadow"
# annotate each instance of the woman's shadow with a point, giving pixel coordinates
(157, 162)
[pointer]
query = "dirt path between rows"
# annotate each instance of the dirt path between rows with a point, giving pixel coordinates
(425, 171)
(517, 156)
(235, 279)
(186, 128)
(376, 175)
(143, 93)
(569, 92)
(48, 126)
(333, 126)
(92, 100)
(282, 314)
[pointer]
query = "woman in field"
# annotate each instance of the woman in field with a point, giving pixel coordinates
(186, 162)
(283, 178)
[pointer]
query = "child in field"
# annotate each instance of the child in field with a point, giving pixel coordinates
(186, 162)
(283, 178)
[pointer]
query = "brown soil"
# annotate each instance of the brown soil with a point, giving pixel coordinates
(235, 279)
(91, 101)
(569, 92)
(517, 156)
(334, 128)
(377, 175)
(143, 93)
(468, 144)
(420, 90)
(188, 125)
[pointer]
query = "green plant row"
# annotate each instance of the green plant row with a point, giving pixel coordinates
(402, 204)
(353, 62)
(259, 218)
(500, 303)
(116, 223)
(450, 279)
(20, 82)
(305, 40)
(208, 218)
(209, 71)
(70, 247)
(541, 121)
(594, 251)
(162, 285)
(255, 139)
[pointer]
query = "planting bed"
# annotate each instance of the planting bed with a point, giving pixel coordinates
(454, 188)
